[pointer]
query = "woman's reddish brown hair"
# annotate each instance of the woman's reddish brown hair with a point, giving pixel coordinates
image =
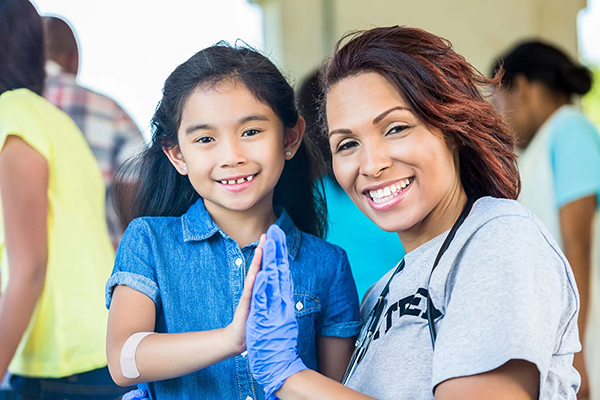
(444, 91)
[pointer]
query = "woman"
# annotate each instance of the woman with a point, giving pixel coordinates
(487, 310)
(560, 169)
(55, 251)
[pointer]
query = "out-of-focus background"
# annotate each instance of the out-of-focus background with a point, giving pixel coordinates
(128, 47)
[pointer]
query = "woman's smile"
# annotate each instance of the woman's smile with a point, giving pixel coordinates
(387, 195)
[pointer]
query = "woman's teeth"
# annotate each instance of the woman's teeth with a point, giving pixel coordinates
(389, 192)
(238, 181)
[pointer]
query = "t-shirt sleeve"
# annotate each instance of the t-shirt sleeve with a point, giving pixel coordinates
(575, 154)
(134, 265)
(19, 117)
(340, 314)
(507, 297)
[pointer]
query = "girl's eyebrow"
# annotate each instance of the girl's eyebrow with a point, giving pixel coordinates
(257, 117)
(197, 127)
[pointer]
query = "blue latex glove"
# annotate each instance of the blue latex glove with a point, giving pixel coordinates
(138, 394)
(271, 328)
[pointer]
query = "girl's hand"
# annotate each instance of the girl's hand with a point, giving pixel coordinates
(236, 331)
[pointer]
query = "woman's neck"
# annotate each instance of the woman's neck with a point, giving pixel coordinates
(438, 221)
(245, 227)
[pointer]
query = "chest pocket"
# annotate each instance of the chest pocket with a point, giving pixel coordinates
(307, 308)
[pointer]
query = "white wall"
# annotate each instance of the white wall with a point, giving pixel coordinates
(479, 29)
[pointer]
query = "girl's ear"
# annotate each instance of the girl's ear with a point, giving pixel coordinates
(174, 155)
(293, 138)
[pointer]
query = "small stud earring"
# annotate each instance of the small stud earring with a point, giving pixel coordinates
(184, 168)
(288, 153)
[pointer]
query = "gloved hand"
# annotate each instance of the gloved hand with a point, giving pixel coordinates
(138, 394)
(271, 328)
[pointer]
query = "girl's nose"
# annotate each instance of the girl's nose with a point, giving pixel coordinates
(233, 154)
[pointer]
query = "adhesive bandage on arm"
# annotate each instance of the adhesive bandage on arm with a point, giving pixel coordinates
(128, 365)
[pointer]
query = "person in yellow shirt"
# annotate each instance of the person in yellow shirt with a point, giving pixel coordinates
(55, 252)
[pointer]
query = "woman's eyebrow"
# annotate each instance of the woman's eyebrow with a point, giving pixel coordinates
(340, 131)
(385, 113)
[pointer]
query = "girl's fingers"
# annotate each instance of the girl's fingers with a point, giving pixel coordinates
(254, 268)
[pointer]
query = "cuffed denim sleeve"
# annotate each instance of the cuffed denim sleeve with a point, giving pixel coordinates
(340, 315)
(134, 266)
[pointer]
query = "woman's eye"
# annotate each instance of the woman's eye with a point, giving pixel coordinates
(250, 132)
(346, 145)
(204, 139)
(397, 129)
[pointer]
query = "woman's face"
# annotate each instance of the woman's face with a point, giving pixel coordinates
(395, 168)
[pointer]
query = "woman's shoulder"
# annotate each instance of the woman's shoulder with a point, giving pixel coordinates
(502, 235)
(509, 221)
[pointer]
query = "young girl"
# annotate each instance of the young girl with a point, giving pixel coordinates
(220, 170)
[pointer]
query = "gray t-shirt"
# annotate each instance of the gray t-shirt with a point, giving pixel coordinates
(505, 291)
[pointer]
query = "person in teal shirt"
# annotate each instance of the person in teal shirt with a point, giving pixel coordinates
(559, 163)
(371, 251)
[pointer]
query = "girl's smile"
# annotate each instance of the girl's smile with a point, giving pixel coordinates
(237, 183)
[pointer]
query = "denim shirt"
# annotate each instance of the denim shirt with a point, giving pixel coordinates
(194, 272)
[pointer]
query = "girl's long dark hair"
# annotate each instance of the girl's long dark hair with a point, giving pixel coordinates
(444, 91)
(161, 191)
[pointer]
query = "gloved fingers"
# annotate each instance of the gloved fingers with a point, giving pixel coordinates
(270, 268)
(285, 278)
(259, 294)
(138, 394)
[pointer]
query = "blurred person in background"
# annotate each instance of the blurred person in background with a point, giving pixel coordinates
(110, 132)
(560, 168)
(55, 252)
(371, 251)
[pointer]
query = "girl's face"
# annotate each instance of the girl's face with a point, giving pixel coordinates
(233, 148)
(395, 168)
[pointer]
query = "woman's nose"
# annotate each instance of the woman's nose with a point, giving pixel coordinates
(374, 159)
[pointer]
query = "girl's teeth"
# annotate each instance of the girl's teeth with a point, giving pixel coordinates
(238, 181)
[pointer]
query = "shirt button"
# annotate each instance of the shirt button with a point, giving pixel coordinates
(238, 262)
(299, 306)
(249, 398)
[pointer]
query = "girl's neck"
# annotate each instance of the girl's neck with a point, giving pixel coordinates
(244, 227)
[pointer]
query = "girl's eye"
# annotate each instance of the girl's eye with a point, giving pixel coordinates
(250, 132)
(204, 139)
(397, 129)
(348, 144)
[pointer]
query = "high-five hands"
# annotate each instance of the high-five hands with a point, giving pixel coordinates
(271, 328)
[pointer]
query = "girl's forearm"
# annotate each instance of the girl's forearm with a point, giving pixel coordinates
(165, 356)
(309, 385)
(17, 305)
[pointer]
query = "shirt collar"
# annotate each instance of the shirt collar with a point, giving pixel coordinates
(198, 226)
